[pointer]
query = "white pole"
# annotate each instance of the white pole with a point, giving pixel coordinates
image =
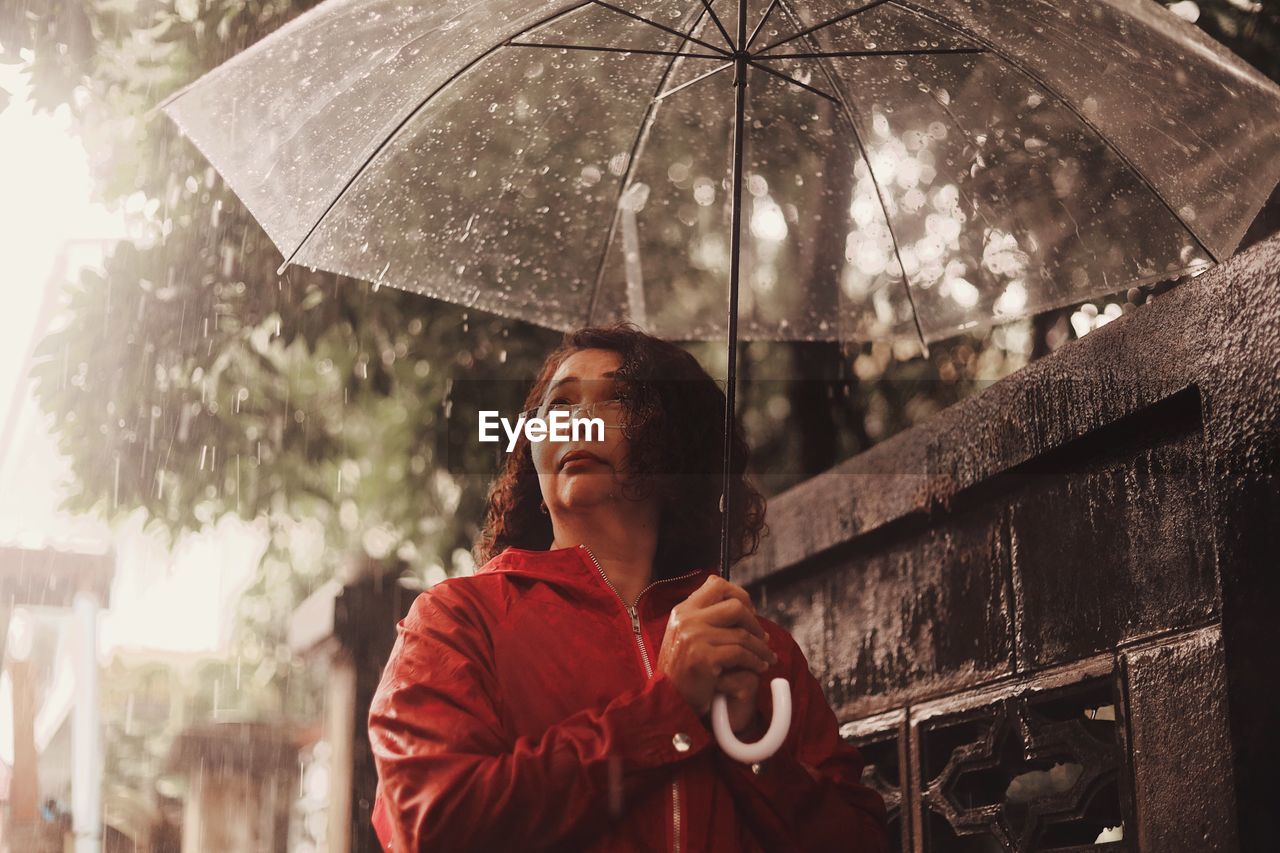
(86, 771)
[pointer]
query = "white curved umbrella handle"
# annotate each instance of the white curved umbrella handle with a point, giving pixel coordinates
(750, 753)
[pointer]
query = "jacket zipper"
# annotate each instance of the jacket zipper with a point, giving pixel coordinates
(633, 610)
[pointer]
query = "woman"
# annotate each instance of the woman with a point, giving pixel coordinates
(558, 698)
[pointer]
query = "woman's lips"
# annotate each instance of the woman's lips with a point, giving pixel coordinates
(579, 456)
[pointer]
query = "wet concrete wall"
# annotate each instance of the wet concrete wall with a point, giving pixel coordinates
(1047, 615)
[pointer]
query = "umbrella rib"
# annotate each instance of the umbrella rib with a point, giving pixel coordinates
(615, 49)
(837, 19)
(409, 117)
(641, 134)
(663, 27)
(760, 26)
(689, 83)
(995, 49)
(906, 52)
(847, 110)
(716, 20)
(793, 81)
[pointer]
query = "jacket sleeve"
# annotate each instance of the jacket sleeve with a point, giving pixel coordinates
(450, 779)
(808, 795)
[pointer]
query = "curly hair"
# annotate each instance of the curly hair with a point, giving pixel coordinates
(674, 424)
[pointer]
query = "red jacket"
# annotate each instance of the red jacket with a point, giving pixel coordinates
(520, 710)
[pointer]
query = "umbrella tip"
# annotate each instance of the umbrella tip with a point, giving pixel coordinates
(280, 270)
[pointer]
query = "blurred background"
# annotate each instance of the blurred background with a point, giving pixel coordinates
(220, 488)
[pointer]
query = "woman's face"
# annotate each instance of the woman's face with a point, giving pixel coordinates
(585, 376)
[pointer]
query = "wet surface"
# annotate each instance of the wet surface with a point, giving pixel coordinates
(1110, 508)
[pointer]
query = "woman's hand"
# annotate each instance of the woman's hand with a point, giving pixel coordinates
(711, 634)
(740, 687)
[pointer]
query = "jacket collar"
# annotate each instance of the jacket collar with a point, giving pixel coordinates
(573, 568)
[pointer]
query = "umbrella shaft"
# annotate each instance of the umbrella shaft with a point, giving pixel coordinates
(735, 253)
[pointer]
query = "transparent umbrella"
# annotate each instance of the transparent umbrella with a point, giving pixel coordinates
(823, 170)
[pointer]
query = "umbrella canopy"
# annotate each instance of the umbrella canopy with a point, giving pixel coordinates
(906, 169)
(829, 171)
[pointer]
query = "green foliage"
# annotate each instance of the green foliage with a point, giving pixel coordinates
(189, 381)
(176, 398)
